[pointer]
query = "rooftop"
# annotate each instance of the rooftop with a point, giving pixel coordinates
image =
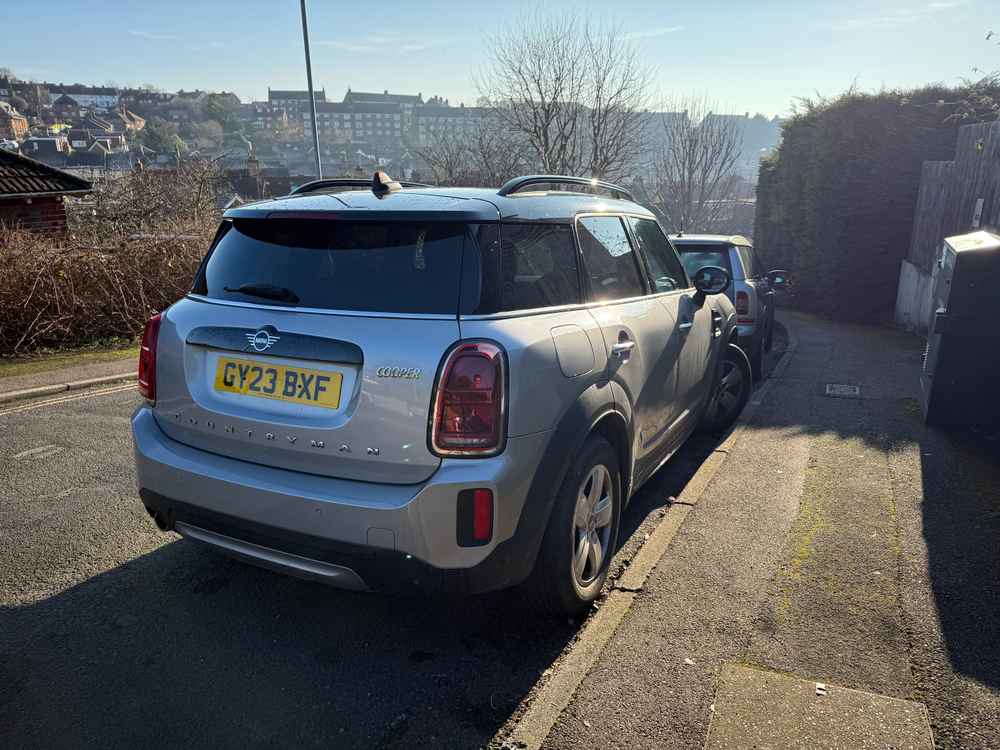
(286, 94)
(24, 177)
(367, 97)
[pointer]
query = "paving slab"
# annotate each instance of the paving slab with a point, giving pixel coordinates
(767, 710)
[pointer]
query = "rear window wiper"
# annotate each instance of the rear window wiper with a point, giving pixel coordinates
(266, 291)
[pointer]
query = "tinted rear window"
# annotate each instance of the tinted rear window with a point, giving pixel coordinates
(538, 265)
(695, 257)
(396, 267)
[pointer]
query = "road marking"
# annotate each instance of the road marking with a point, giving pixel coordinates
(64, 399)
(549, 700)
(38, 454)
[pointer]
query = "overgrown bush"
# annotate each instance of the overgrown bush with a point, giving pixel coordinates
(132, 249)
(835, 203)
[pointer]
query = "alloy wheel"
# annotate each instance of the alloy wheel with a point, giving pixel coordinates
(729, 392)
(592, 525)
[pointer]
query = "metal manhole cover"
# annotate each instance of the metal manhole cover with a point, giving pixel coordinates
(840, 390)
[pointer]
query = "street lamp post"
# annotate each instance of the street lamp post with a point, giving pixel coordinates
(312, 97)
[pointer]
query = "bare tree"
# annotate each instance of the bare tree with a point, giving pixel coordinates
(573, 91)
(497, 153)
(694, 169)
(489, 154)
(447, 155)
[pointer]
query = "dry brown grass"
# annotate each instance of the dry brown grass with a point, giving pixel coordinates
(132, 249)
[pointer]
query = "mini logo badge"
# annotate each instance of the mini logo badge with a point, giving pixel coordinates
(262, 340)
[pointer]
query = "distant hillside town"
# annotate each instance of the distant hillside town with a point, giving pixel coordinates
(265, 145)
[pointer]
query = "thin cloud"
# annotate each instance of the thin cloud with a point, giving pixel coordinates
(151, 35)
(382, 41)
(651, 33)
(901, 17)
(345, 46)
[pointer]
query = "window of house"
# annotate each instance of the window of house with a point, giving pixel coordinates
(610, 262)
(665, 269)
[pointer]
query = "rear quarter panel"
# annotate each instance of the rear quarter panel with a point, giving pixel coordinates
(552, 357)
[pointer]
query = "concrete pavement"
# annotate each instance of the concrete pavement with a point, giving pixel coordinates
(813, 554)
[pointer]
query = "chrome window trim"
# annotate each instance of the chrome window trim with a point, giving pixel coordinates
(571, 308)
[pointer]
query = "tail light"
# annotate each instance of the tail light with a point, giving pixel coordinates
(743, 308)
(147, 358)
(469, 405)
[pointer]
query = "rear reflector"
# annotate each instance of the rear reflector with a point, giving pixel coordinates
(474, 517)
(469, 410)
(147, 358)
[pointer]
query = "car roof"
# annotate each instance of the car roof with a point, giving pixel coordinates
(709, 239)
(458, 204)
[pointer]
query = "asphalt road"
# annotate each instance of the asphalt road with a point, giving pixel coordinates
(113, 634)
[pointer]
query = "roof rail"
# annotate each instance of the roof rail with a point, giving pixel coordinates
(346, 182)
(516, 184)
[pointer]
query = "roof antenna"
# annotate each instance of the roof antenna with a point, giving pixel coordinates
(383, 184)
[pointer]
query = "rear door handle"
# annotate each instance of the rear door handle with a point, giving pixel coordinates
(622, 349)
(686, 325)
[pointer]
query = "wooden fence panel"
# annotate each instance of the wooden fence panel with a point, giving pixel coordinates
(949, 192)
(976, 175)
(928, 218)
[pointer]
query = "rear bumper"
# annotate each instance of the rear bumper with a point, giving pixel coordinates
(385, 537)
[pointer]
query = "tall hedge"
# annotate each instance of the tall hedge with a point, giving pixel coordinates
(835, 202)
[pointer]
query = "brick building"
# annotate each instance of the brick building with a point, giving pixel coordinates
(32, 193)
(13, 124)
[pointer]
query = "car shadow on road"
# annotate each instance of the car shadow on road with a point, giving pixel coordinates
(183, 647)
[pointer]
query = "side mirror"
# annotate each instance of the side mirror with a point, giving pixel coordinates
(711, 280)
(778, 279)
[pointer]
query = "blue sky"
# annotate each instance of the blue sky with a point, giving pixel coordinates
(748, 55)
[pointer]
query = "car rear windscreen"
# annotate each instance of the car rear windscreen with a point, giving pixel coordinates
(393, 267)
(695, 256)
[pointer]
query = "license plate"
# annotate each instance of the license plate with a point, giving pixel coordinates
(299, 385)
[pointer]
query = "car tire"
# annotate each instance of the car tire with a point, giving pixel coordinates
(577, 547)
(730, 392)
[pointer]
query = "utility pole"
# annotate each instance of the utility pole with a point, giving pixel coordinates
(312, 96)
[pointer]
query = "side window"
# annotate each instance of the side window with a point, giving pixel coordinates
(611, 264)
(538, 266)
(747, 261)
(758, 267)
(664, 267)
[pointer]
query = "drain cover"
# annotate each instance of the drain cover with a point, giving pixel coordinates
(840, 390)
